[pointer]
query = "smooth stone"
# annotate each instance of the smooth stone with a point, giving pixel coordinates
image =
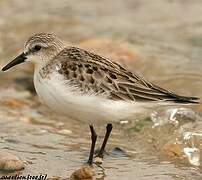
(84, 173)
(10, 162)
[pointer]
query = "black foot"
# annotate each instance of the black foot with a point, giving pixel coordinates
(93, 138)
(108, 132)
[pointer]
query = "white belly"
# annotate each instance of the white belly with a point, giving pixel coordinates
(56, 93)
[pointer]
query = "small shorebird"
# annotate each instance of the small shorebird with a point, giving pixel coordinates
(88, 87)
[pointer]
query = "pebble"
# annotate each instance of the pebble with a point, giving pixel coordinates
(172, 150)
(98, 160)
(84, 173)
(119, 152)
(10, 162)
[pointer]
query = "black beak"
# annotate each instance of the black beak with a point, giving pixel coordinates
(18, 60)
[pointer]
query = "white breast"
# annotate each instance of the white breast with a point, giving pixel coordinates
(57, 93)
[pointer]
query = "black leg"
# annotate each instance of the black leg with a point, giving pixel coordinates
(102, 149)
(93, 138)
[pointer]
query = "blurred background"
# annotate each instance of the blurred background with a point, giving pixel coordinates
(160, 40)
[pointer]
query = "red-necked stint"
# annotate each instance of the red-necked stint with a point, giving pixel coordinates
(88, 87)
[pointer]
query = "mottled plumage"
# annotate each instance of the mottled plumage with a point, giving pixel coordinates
(91, 72)
(86, 86)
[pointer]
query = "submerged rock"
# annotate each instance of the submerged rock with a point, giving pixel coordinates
(119, 152)
(10, 162)
(172, 150)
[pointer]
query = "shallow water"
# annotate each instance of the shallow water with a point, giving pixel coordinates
(165, 35)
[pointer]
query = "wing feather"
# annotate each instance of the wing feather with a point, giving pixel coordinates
(96, 74)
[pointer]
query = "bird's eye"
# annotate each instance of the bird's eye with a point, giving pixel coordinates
(37, 48)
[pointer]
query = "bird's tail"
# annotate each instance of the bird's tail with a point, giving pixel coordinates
(185, 99)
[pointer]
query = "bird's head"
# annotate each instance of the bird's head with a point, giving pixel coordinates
(38, 49)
